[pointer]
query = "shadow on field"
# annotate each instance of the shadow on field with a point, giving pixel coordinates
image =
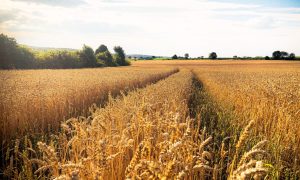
(214, 122)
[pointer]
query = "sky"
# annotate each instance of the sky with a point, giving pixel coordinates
(157, 27)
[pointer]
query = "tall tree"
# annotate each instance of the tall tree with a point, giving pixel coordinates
(14, 56)
(213, 55)
(276, 55)
(106, 57)
(174, 56)
(7, 48)
(292, 56)
(186, 55)
(120, 56)
(87, 56)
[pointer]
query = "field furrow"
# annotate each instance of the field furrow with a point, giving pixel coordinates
(269, 98)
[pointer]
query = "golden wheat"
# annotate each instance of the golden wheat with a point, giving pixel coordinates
(157, 133)
(38, 100)
(270, 96)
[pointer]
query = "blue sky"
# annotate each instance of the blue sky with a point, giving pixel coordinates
(157, 27)
(268, 3)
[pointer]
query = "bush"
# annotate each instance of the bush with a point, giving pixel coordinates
(58, 59)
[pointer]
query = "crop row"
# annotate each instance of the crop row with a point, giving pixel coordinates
(36, 101)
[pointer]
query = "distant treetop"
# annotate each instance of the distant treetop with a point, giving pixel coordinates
(102, 48)
(213, 55)
(282, 55)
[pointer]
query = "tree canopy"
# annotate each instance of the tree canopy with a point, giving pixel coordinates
(282, 55)
(106, 57)
(87, 56)
(102, 48)
(213, 55)
(120, 57)
(186, 55)
(174, 56)
(13, 55)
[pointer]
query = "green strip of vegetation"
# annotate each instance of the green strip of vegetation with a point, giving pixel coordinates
(16, 56)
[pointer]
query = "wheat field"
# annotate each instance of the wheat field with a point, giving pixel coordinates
(36, 101)
(210, 120)
(268, 95)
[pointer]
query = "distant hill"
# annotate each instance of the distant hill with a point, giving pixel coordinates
(143, 56)
(139, 56)
(132, 56)
(35, 48)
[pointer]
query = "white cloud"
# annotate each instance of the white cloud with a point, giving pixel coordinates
(155, 27)
(64, 3)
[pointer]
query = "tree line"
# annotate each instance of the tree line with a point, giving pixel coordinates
(211, 55)
(16, 56)
(277, 55)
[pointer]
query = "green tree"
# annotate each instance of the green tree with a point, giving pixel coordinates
(213, 55)
(88, 57)
(24, 58)
(106, 57)
(14, 56)
(175, 57)
(284, 55)
(276, 55)
(102, 48)
(292, 56)
(186, 55)
(66, 59)
(8, 48)
(120, 56)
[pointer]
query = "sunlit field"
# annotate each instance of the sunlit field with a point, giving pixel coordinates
(172, 119)
(38, 100)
